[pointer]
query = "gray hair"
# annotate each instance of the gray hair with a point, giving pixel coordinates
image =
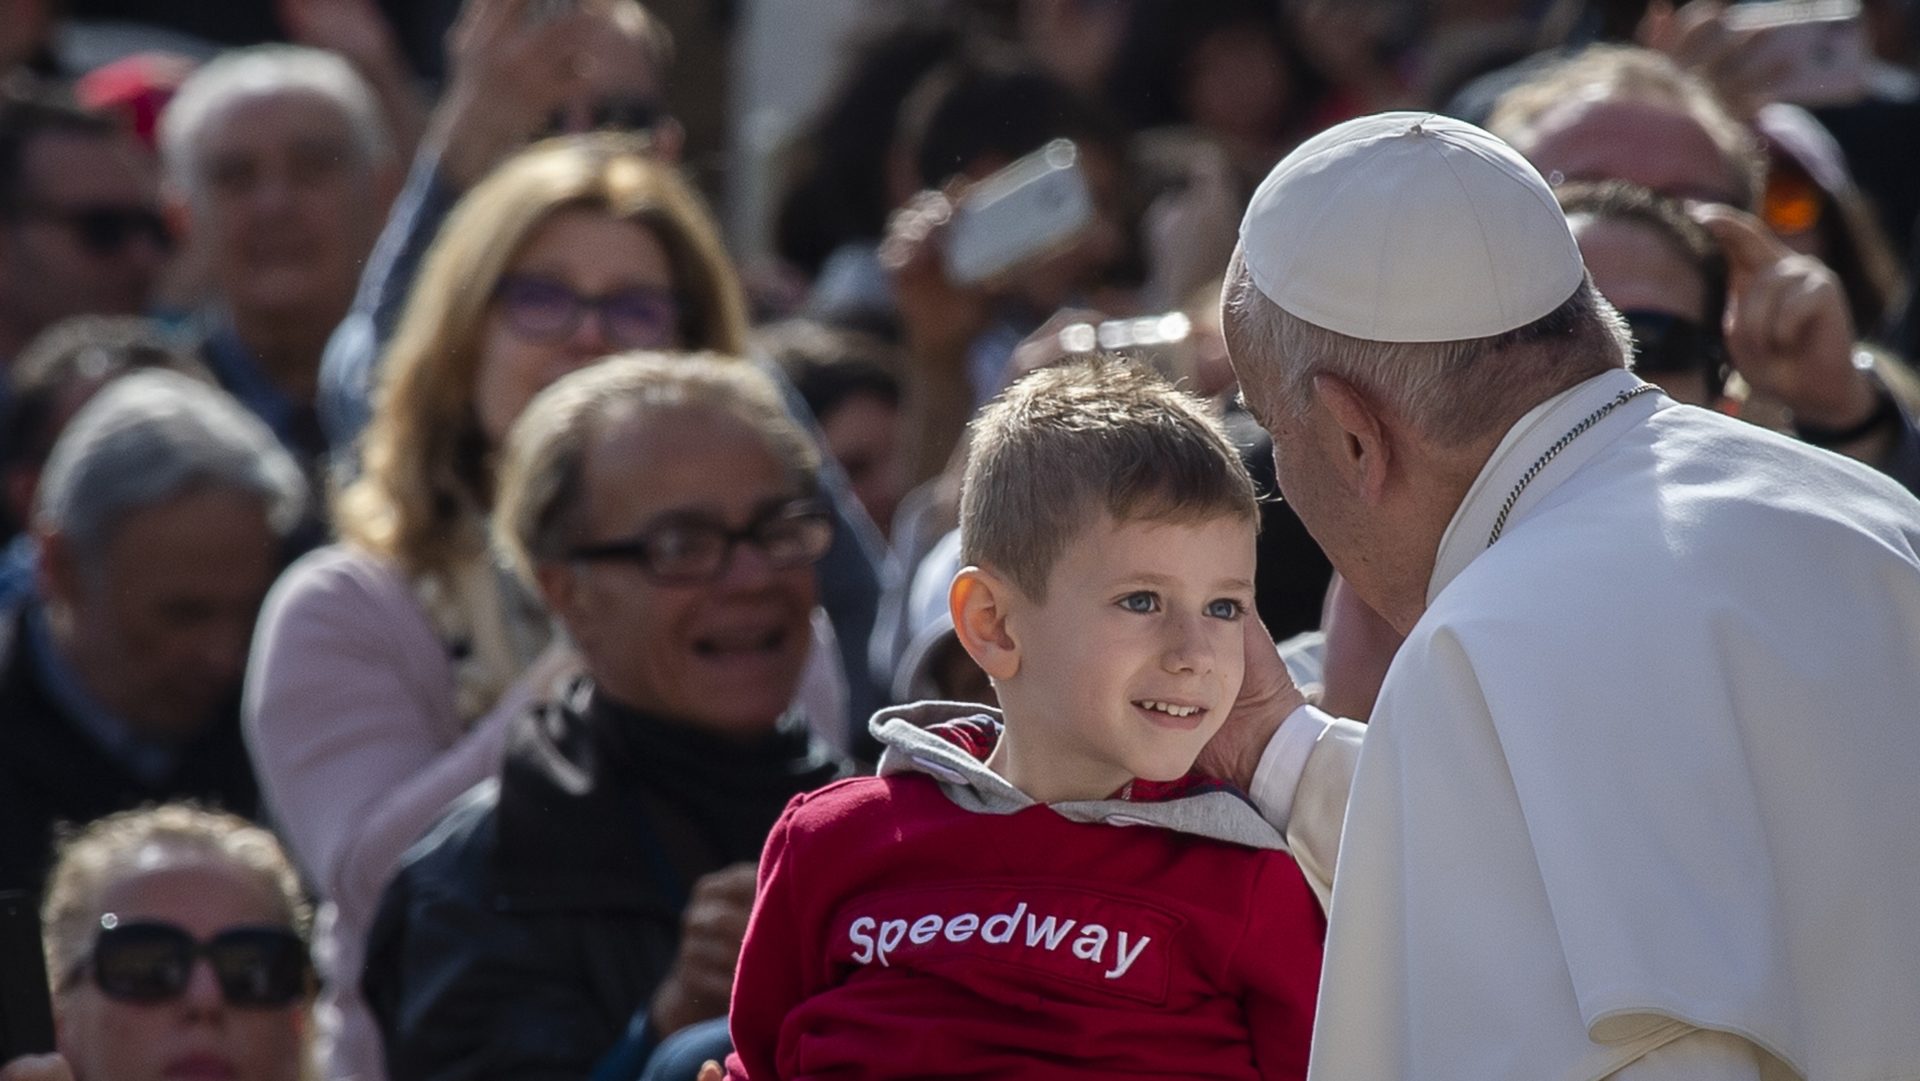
(151, 437)
(1451, 392)
(537, 512)
(259, 71)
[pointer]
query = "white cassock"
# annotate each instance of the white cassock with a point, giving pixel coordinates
(1641, 795)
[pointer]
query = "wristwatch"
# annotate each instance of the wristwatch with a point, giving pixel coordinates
(1885, 412)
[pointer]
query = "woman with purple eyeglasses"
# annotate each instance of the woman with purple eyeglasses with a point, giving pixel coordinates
(386, 666)
(176, 941)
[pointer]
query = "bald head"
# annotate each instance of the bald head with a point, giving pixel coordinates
(1623, 113)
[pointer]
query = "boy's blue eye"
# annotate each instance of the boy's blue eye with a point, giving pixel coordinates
(1143, 603)
(1225, 608)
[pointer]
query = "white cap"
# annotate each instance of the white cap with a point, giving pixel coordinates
(1409, 227)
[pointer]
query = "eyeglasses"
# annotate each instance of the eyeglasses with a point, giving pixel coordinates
(637, 114)
(693, 549)
(1669, 343)
(107, 230)
(258, 967)
(546, 310)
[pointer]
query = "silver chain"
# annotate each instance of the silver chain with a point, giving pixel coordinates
(1553, 452)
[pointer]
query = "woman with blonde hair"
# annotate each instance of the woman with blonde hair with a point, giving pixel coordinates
(136, 903)
(386, 667)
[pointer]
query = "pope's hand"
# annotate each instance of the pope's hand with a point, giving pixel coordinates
(1267, 696)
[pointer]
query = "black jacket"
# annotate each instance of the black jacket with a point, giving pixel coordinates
(522, 934)
(52, 771)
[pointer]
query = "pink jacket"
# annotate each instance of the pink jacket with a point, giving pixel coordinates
(351, 721)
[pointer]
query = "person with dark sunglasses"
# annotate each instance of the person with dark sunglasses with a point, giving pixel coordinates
(1709, 291)
(80, 225)
(1664, 273)
(176, 938)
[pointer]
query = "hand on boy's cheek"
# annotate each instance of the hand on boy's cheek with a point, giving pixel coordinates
(1267, 696)
(700, 983)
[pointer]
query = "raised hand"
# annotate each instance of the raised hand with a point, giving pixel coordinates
(1788, 331)
(509, 73)
(700, 984)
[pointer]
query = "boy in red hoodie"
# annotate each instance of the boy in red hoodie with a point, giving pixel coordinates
(1051, 892)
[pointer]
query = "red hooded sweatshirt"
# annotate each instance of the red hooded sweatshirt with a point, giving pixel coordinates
(934, 922)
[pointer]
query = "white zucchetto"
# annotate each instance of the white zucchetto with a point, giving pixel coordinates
(1410, 227)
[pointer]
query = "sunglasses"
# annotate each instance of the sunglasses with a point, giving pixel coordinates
(692, 549)
(258, 967)
(546, 310)
(107, 230)
(1664, 343)
(1793, 202)
(610, 114)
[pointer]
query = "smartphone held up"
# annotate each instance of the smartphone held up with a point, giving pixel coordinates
(1030, 209)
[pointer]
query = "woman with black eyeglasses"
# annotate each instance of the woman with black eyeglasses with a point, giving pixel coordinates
(667, 511)
(175, 938)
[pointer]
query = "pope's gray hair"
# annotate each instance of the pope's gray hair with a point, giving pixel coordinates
(1451, 392)
(151, 437)
(257, 71)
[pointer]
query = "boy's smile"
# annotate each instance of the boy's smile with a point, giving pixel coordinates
(1133, 659)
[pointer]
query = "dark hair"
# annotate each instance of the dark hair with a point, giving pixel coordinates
(1146, 87)
(836, 172)
(829, 365)
(1077, 439)
(27, 113)
(64, 358)
(991, 103)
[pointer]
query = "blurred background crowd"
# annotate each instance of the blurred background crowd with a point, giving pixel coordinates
(516, 703)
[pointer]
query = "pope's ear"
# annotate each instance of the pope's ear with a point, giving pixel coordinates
(1364, 448)
(979, 601)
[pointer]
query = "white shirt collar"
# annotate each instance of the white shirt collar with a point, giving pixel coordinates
(1523, 445)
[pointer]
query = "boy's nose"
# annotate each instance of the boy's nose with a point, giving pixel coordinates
(1186, 648)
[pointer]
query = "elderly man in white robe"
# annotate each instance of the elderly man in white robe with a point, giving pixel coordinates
(1638, 796)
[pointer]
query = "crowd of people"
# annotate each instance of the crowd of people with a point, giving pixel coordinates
(440, 549)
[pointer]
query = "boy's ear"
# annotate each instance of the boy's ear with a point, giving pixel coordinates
(979, 602)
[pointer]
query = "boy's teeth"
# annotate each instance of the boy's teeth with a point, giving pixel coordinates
(1177, 711)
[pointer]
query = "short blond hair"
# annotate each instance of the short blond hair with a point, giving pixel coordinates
(1070, 441)
(537, 517)
(1631, 73)
(426, 470)
(92, 858)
